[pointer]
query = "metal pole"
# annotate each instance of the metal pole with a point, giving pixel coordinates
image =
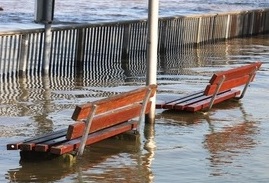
(152, 45)
(47, 47)
(88, 124)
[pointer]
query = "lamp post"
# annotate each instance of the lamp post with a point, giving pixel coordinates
(152, 45)
(44, 12)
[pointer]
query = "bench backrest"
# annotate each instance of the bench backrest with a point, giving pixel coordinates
(112, 110)
(232, 78)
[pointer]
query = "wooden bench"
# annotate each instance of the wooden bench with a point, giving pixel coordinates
(95, 121)
(222, 86)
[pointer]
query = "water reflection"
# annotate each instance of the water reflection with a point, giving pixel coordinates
(225, 146)
(150, 147)
(227, 143)
(106, 161)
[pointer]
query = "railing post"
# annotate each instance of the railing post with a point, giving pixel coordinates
(228, 26)
(80, 46)
(126, 40)
(162, 38)
(23, 54)
(47, 48)
(199, 30)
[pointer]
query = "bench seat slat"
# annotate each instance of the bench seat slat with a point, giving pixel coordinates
(185, 101)
(170, 104)
(45, 146)
(205, 103)
(72, 145)
(55, 134)
(182, 105)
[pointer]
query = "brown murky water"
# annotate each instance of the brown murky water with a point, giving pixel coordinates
(229, 144)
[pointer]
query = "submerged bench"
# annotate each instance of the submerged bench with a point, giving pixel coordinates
(95, 121)
(222, 86)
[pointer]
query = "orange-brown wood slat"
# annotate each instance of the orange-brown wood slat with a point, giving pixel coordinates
(45, 146)
(182, 105)
(186, 99)
(236, 72)
(211, 89)
(107, 104)
(171, 102)
(93, 137)
(205, 103)
(27, 146)
(16, 145)
(106, 120)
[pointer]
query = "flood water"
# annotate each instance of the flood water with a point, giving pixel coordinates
(21, 14)
(229, 144)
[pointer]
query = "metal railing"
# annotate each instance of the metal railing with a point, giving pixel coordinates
(78, 47)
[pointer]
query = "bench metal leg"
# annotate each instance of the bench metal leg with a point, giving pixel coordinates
(216, 92)
(86, 131)
(144, 105)
(251, 76)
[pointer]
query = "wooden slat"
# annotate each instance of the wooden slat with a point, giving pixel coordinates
(106, 120)
(81, 112)
(211, 89)
(205, 103)
(16, 145)
(45, 146)
(183, 105)
(235, 73)
(29, 146)
(93, 137)
(169, 104)
(183, 100)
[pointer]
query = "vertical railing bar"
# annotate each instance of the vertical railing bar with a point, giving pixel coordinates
(53, 52)
(113, 46)
(58, 61)
(98, 46)
(87, 48)
(62, 65)
(5, 55)
(102, 43)
(94, 40)
(69, 48)
(39, 57)
(109, 43)
(65, 48)
(107, 50)
(117, 42)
